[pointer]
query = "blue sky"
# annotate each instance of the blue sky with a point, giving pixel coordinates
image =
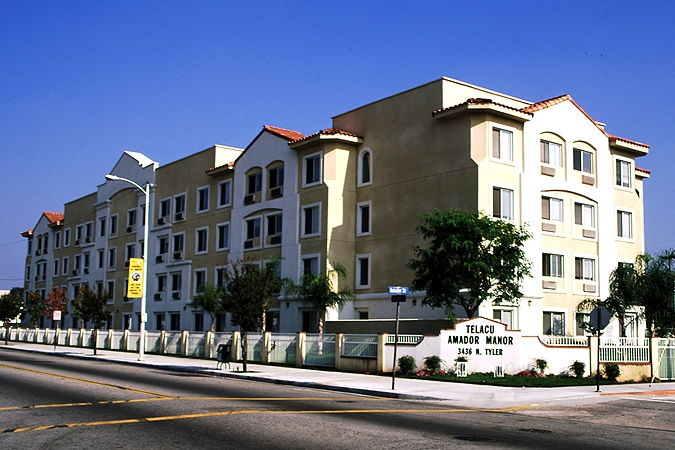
(82, 81)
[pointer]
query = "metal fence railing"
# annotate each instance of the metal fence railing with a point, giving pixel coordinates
(413, 339)
(320, 350)
(173, 342)
(565, 341)
(359, 345)
(284, 348)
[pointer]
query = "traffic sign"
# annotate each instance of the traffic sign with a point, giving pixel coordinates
(398, 290)
(599, 318)
(135, 287)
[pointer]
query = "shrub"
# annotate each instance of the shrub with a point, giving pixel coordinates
(432, 363)
(540, 364)
(578, 368)
(406, 365)
(612, 371)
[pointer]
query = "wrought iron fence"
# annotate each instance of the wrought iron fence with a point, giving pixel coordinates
(565, 341)
(405, 338)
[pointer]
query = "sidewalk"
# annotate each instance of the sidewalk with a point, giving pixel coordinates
(459, 394)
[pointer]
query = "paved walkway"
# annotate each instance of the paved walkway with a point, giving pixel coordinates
(460, 394)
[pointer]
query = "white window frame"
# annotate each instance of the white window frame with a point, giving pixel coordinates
(162, 202)
(198, 200)
(113, 225)
(560, 272)
(359, 218)
(620, 233)
(310, 257)
(362, 153)
(112, 258)
(55, 267)
(561, 209)
(564, 324)
(259, 237)
(267, 230)
(206, 243)
(173, 243)
(512, 209)
(57, 240)
(511, 324)
(357, 282)
(227, 202)
(587, 263)
(205, 273)
(66, 237)
(583, 217)
(175, 206)
(318, 155)
(619, 175)
(303, 220)
(218, 228)
(582, 168)
(547, 150)
(257, 185)
(505, 133)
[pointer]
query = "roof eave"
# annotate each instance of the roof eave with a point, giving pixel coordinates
(487, 108)
(638, 148)
(319, 138)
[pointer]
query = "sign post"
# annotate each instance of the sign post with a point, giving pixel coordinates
(398, 294)
(56, 317)
(599, 320)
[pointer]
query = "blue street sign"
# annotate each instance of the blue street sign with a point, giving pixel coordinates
(398, 290)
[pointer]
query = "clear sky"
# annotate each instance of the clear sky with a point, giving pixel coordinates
(82, 81)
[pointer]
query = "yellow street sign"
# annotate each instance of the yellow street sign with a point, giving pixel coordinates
(135, 285)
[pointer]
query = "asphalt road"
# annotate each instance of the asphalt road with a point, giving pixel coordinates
(49, 402)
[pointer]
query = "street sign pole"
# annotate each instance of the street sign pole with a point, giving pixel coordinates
(398, 294)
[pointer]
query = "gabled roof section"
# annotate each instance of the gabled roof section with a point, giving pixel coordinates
(27, 233)
(628, 145)
(54, 218)
(328, 134)
(484, 105)
(289, 135)
(143, 160)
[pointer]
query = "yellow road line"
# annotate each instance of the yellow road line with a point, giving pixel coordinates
(84, 380)
(208, 399)
(257, 411)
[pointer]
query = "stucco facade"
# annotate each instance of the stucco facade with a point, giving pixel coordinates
(353, 194)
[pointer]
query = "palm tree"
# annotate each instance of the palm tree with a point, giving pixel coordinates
(208, 298)
(321, 291)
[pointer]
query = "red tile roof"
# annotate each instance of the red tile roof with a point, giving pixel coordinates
(54, 217)
(480, 101)
(289, 135)
(228, 165)
(617, 138)
(647, 171)
(326, 132)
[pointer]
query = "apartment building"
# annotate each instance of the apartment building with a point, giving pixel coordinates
(353, 193)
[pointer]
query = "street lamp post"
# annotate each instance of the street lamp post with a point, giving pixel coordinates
(146, 229)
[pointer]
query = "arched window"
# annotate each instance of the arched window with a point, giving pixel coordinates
(365, 167)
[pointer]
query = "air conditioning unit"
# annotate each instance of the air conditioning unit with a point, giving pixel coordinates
(248, 244)
(277, 192)
(44, 276)
(86, 270)
(158, 296)
(126, 264)
(275, 240)
(180, 216)
(250, 198)
(37, 253)
(77, 242)
(161, 221)
(176, 295)
(177, 255)
(75, 272)
(159, 259)
(130, 229)
(547, 284)
(87, 240)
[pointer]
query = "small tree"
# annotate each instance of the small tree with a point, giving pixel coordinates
(11, 306)
(35, 307)
(209, 299)
(246, 294)
(89, 306)
(56, 301)
(470, 258)
(321, 291)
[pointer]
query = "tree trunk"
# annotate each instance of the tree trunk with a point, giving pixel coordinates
(94, 339)
(244, 349)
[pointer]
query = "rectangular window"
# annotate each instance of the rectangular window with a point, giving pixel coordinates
(310, 265)
(362, 271)
(623, 173)
(311, 220)
(64, 266)
(178, 244)
(163, 245)
(504, 316)
(161, 284)
(584, 269)
(101, 226)
(624, 224)
(502, 203)
(113, 225)
(175, 321)
(56, 268)
(176, 282)
(225, 193)
(203, 199)
(199, 321)
(112, 254)
(551, 153)
(101, 258)
(165, 208)
(582, 323)
(551, 209)
(79, 233)
(254, 183)
(130, 252)
(66, 237)
(111, 289)
(253, 230)
(584, 215)
(179, 207)
(363, 219)
(200, 279)
(502, 144)
(46, 244)
(274, 224)
(312, 170)
(131, 219)
(276, 177)
(583, 161)
(202, 239)
(554, 323)
(223, 238)
(220, 276)
(552, 265)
